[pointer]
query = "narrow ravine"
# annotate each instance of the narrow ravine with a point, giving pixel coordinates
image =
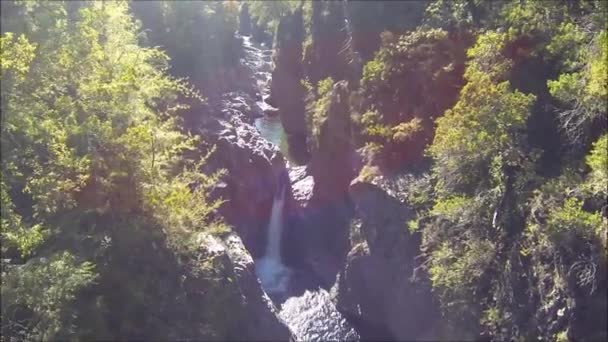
(259, 59)
(310, 315)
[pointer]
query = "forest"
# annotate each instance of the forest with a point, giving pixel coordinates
(422, 170)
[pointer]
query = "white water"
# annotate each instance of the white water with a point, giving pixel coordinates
(259, 59)
(313, 317)
(275, 227)
(270, 269)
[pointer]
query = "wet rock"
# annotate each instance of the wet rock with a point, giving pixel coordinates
(302, 184)
(241, 102)
(270, 111)
(270, 101)
(253, 165)
(262, 323)
(225, 296)
(314, 318)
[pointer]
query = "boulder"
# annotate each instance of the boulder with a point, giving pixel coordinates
(252, 166)
(302, 184)
(262, 322)
(379, 284)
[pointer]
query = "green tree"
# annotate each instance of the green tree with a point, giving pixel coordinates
(92, 165)
(269, 13)
(395, 85)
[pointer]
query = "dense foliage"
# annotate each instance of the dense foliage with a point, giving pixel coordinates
(495, 111)
(503, 103)
(398, 114)
(94, 180)
(515, 251)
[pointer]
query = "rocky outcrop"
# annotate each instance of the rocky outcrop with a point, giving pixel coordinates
(219, 298)
(261, 322)
(286, 91)
(244, 20)
(252, 166)
(328, 53)
(302, 184)
(332, 154)
(318, 238)
(378, 284)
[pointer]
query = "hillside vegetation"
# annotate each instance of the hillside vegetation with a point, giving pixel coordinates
(491, 114)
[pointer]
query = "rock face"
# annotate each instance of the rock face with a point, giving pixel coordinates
(253, 166)
(302, 184)
(223, 299)
(286, 90)
(244, 20)
(251, 162)
(332, 156)
(327, 55)
(261, 322)
(376, 285)
(319, 235)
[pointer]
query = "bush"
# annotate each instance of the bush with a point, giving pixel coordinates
(38, 297)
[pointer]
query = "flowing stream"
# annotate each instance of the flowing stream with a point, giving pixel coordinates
(311, 315)
(259, 59)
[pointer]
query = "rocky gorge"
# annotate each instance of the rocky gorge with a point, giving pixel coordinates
(303, 170)
(336, 283)
(321, 150)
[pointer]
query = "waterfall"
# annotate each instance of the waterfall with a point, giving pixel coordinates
(275, 227)
(270, 269)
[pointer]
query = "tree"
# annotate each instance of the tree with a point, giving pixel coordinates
(92, 165)
(269, 13)
(397, 116)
